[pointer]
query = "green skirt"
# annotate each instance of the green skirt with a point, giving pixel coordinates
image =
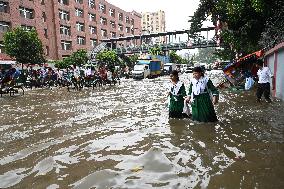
(203, 109)
(176, 107)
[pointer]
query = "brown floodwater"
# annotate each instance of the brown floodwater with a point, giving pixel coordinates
(121, 137)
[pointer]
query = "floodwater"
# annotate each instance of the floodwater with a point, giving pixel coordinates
(121, 137)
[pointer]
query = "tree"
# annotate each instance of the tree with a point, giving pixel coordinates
(24, 46)
(108, 58)
(245, 20)
(77, 58)
(59, 64)
(130, 61)
(156, 50)
(206, 55)
(273, 33)
(175, 58)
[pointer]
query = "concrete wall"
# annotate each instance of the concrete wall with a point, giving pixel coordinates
(280, 75)
(275, 61)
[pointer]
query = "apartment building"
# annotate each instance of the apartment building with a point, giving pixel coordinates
(154, 22)
(65, 26)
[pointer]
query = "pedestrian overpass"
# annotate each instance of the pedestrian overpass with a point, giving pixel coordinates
(143, 43)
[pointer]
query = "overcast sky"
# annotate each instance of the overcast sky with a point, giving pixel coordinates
(177, 11)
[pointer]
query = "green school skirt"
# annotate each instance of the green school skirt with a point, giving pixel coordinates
(203, 109)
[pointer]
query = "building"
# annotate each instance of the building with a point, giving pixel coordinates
(65, 26)
(154, 22)
(274, 59)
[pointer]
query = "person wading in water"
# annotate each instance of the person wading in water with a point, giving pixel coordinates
(177, 93)
(200, 90)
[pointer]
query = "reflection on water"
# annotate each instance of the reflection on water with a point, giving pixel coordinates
(121, 137)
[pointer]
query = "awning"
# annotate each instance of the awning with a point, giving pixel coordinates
(250, 58)
(256, 55)
(236, 71)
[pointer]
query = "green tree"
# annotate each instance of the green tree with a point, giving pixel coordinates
(108, 58)
(24, 46)
(79, 57)
(206, 55)
(61, 64)
(245, 21)
(129, 61)
(156, 50)
(273, 33)
(175, 58)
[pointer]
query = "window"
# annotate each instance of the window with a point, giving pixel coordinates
(127, 29)
(104, 33)
(132, 21)
(1, 47)
(4, 7)
(120, 16)
(127, 19)
(102, 8)
(64, 2)
(46, 50)
(93, 29)
(103, 21)
(65, 56)
(43, 17)
(4, 26)
(64, 15)
(81, 40)
(79, 13)
(45, 33)
(120, 27)
(112, 12)
(79, 1)
(112, 34)
(92, 17)
(42, 2)
(91, 4)
(65, 30)
(93, 42)
(80, 26)
(28, 28)
(26, 13)
(112, 23)
(66, 45)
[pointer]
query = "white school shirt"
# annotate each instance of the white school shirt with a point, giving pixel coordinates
(264, 75)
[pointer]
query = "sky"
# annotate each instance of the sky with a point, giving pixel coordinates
(177, 11)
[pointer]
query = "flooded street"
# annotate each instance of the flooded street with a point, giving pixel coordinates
(121, 137)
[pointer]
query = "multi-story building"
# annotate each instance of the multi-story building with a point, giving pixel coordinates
(65, 26)
(154, 22)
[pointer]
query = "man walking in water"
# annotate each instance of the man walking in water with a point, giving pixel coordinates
(264, 74)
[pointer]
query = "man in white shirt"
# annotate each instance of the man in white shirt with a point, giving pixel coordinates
(264, 74)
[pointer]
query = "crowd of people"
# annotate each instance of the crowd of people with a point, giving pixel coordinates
(47, 76)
